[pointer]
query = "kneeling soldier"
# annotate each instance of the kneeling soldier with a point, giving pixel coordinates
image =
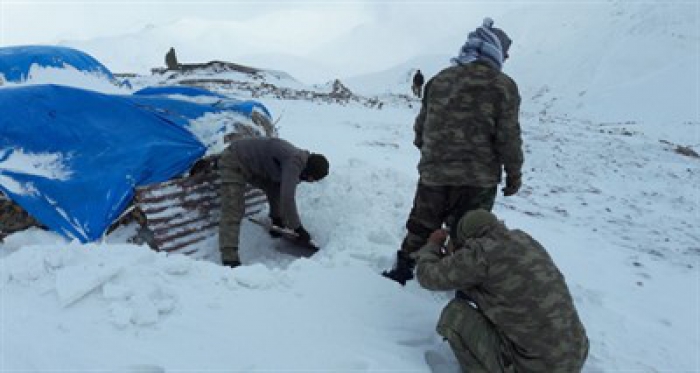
(512, 311)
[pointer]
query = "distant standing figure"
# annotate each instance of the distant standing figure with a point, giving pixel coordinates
(273, 165)
(418, 81)
(467, 132)
(512, 311)
(171, 60)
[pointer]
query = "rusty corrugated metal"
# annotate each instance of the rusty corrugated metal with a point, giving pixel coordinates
(182, 212)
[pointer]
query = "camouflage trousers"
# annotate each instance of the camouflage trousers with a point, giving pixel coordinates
(435, 205)
(476, 343)
(233, 185)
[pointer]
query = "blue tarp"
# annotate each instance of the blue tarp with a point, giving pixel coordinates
(178, 90)
(15, 62)
(72, 157)
(225, 103)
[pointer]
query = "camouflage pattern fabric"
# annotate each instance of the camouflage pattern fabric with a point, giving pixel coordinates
(518, 288)
(233, 183)
(14, 218)
(477, 344)
(435, 205)
(468, 129)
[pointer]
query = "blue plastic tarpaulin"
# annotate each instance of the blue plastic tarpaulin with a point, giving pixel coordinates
(225, 103)
(73, 157)
(178, 90)
(16, 62)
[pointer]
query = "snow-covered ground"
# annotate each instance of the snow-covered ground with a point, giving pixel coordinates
(605, 191)
(616, 208)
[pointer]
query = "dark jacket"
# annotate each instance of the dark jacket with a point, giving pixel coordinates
(274, 160)
(171, 59)
(418, 79)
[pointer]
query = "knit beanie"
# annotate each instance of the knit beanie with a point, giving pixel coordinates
(316, 166)
(504, 39)
(485, 43)
(473, 223)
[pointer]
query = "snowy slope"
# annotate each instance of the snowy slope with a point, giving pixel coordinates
(398, 79)
(614, 61)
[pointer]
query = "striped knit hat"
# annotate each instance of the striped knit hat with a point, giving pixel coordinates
(486, 43)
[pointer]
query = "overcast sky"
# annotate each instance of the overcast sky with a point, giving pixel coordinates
(52, 21)
(79, 20)
(351, 36)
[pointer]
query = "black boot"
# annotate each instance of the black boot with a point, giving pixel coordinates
(403, 271)
(231, 263)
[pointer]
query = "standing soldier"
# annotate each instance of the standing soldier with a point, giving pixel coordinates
(512, 311)
(467, 132)
(418, 81)
(273, 165)
(171, 60)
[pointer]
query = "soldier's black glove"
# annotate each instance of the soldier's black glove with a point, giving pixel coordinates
(277, 221)
(513, 184)
(302, 234)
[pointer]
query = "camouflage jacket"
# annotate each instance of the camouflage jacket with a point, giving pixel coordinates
(468, 129)
(517, 286)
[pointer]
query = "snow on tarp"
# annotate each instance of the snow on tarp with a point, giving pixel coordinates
(72, 157)
(225, 103)
(178, 90)
(16, 62)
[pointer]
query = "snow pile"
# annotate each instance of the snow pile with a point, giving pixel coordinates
(148, 302)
